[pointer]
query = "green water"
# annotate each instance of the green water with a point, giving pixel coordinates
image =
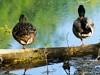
(48, 16)
(53, 20)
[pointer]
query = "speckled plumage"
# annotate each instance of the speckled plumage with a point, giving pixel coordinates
(23, 31)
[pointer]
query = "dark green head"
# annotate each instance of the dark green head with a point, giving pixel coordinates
(81, 11)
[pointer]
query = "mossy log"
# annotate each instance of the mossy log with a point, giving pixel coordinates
(14, 59)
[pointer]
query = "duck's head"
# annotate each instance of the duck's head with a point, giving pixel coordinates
(22, 18)
(81, 11)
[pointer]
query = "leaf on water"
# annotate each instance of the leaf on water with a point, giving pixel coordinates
(6, 29)
(46, 45)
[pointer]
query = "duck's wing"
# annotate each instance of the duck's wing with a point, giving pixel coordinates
(89, 28)
(77, 29)
(77, 26)
(29, 28)
(23, 29)
(90, 24)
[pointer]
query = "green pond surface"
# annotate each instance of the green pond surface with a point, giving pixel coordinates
(53, 20)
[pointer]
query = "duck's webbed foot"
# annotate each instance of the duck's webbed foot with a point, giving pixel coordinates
(84, 44)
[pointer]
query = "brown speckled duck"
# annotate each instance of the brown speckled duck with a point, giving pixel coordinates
(24, 32)
(83, 27)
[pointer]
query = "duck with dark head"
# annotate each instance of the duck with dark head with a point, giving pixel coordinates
(83, 27)
(24, 32)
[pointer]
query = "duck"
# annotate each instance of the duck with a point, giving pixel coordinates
(83, 27)
(24, 32)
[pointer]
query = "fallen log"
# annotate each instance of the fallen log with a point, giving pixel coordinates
(14, 59)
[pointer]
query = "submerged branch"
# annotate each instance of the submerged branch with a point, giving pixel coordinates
(13, 59)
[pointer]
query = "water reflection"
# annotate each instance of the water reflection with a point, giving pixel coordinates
(54, 70)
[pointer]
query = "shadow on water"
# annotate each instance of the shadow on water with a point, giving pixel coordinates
(53, 20)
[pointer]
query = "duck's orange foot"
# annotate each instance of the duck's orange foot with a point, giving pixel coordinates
(85, 45)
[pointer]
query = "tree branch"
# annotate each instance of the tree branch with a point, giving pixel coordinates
(13, 59)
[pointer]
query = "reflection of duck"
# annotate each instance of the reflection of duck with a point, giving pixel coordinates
(82, 26)
(24, 32)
